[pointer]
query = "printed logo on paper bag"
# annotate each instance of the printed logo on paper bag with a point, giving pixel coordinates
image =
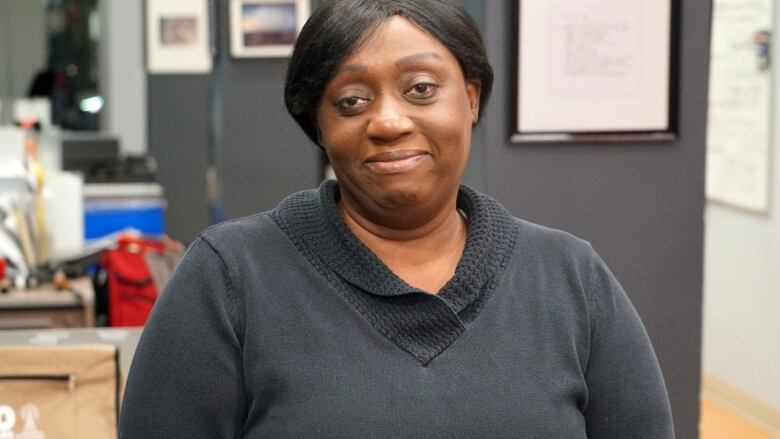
(29, 413)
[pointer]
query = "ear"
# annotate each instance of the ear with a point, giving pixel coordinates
(474, 90)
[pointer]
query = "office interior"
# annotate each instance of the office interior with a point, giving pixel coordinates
(195, 149)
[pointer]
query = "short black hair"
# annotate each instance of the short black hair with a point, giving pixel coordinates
(338, 27)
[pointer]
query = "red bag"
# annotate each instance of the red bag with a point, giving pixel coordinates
(131, 287)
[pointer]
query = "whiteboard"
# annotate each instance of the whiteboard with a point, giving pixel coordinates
(739, 126)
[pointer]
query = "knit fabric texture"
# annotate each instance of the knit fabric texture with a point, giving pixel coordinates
(420, 323)
(284, 325)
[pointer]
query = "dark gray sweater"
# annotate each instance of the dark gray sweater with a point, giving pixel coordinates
(283, 324)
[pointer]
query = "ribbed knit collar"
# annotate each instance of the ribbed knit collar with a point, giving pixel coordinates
(420, 323)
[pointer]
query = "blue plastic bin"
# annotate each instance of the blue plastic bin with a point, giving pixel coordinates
(104, 218)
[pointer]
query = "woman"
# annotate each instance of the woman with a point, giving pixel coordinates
(394, 303)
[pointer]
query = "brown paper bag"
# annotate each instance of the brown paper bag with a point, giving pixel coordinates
(59, 392)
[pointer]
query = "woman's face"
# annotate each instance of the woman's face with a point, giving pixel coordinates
(396, 122)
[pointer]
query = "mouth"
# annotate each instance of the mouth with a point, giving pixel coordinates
(394, 162)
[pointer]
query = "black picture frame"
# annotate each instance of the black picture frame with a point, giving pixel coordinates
(670, 133)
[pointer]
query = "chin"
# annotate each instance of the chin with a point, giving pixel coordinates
(402, 197)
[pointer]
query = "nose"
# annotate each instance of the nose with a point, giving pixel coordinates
(389, 121)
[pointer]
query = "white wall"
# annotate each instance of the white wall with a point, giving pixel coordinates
(742, 284)
(123, 73)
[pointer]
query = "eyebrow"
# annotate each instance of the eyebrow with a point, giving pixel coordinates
(352, 68)
(415, 57)
(360, 68)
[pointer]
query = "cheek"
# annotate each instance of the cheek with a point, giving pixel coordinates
(337, 135)
(457, 118)
(455, 134)
(451, 129)
(340, 146)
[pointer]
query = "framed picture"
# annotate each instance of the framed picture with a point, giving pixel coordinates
(596, 70)
(265, 28)
(177, 37)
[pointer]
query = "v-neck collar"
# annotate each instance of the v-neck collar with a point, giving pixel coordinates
(420, 323)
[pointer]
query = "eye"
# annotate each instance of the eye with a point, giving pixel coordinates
(351, 104)
(422, 90)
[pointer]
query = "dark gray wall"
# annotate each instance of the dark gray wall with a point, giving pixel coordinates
(640, 205)
(261, 154)
(233, 122)
(178, 139)
(474, 175)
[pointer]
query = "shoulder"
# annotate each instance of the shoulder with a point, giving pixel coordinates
(533, 247)
(258, 230)
(550, 243)
(562, 265)
(236, 232)
(228, 247)
(530, 239)
(562, 259)
(242, 242)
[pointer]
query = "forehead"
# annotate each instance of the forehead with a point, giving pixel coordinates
(399, 39)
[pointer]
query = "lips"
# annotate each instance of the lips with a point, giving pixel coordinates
(393, 162)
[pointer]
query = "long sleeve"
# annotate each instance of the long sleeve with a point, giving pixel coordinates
(627, 396)
(186, 379)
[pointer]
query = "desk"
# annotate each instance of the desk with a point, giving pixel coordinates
(44, 307)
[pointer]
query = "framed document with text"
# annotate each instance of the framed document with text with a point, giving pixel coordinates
(596, 70)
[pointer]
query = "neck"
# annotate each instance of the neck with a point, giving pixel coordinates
(424, 256)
